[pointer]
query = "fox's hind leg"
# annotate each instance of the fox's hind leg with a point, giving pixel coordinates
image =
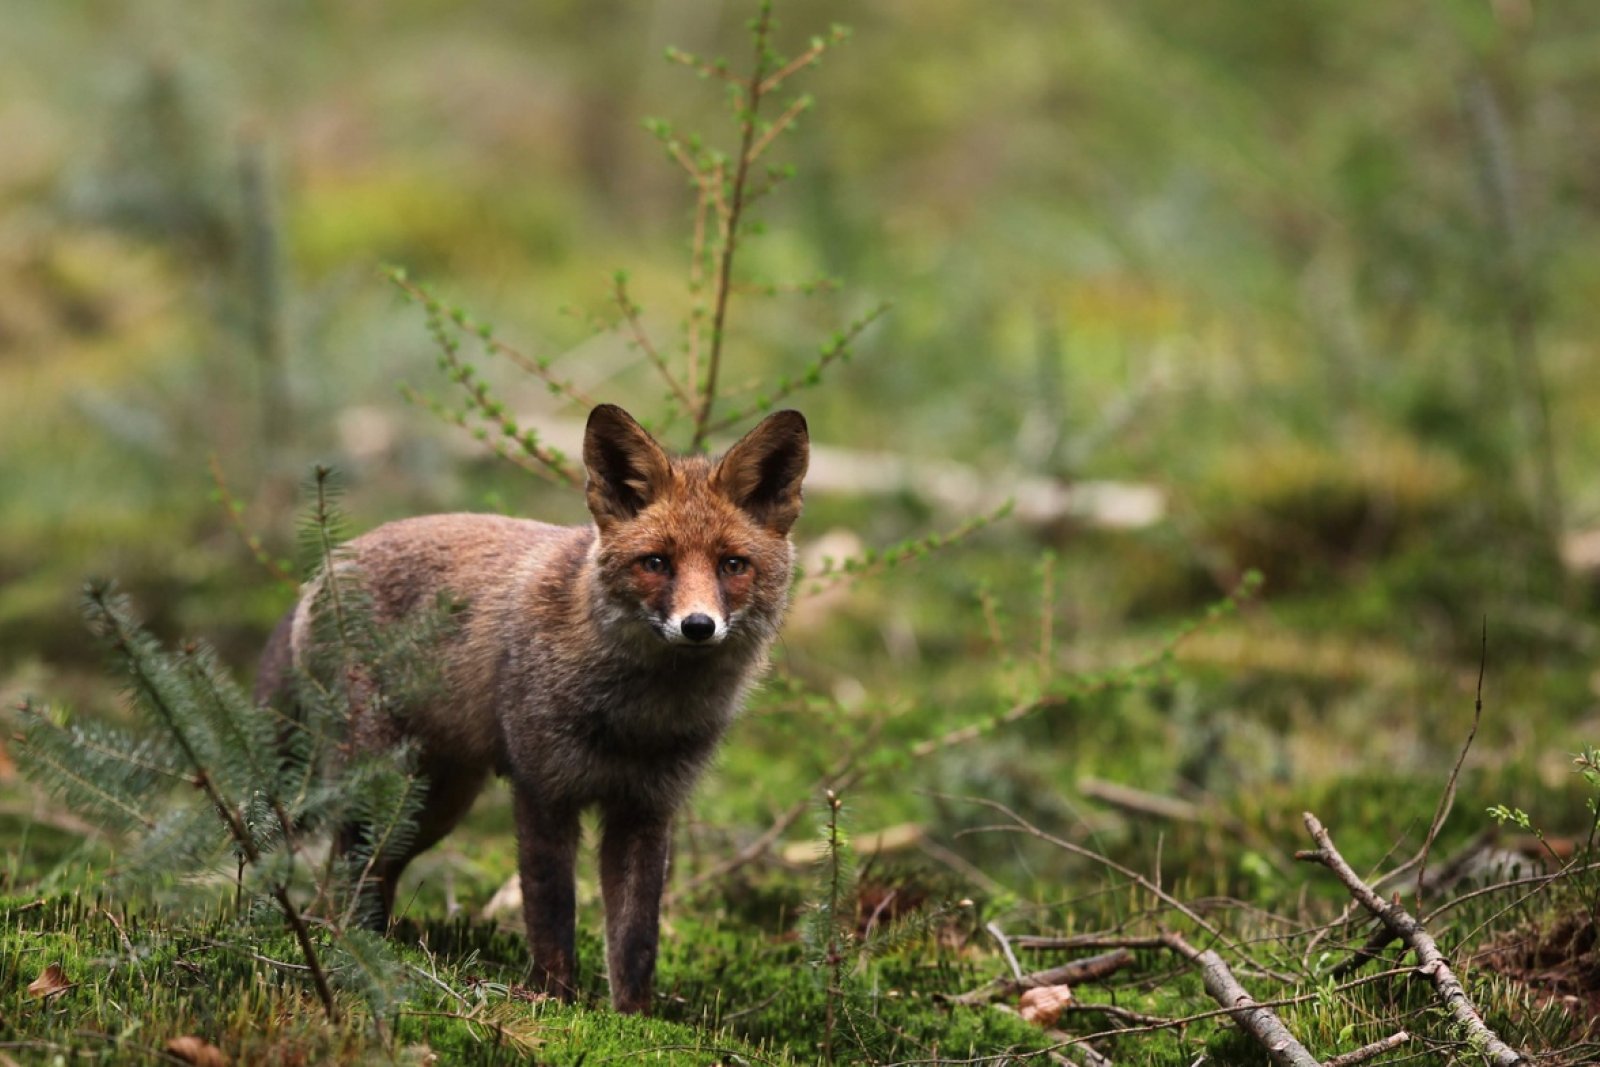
(450, 794)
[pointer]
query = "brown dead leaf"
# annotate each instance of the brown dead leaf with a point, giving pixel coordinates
(51, 981)
(1042, 1006)
(196, 1050)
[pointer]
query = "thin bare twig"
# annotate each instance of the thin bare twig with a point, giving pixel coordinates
(1005, 947)
(630, 315)
(1538, 881)
(1019, 825)
(1431, 962)
(1447, 801)
(235, 512)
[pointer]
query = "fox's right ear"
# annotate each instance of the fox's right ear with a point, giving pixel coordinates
(626, 468)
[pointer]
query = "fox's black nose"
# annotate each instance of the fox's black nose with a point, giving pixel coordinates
(698, 627)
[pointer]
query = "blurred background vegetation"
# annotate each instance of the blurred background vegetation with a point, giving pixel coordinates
(1323, 277)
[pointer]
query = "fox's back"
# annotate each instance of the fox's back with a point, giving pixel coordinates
(480, 565)
(408, 563)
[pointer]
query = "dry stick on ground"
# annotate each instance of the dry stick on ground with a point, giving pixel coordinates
(1085, 970)
(1005, 947)
(1441, 878)
(1430, 960)
(1259, 1022)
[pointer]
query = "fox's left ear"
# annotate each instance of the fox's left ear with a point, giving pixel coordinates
(762, 473)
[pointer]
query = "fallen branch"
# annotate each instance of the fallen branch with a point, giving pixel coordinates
(1258, 1021)
(1090, 969)
(1158, 1024)
(1430, 961)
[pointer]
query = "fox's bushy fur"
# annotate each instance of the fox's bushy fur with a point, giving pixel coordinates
(593, 666)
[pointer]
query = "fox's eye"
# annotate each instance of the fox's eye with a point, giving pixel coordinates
(655, 564)
(734, 565)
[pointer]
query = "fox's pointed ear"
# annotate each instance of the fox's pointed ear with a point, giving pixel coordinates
(762, 473)
(626, 468)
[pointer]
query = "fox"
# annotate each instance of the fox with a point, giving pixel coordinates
(593, 667)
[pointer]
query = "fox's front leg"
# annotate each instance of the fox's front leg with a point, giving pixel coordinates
(547, 848)
(633, 870)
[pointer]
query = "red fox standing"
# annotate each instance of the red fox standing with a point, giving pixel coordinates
(593, 666)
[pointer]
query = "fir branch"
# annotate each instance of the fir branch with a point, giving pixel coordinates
(185, 839)
(242, 735)
(48, 747)
(368, 962)
(386, 801)
(245, 732)
(324, 537)
(109, 614)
